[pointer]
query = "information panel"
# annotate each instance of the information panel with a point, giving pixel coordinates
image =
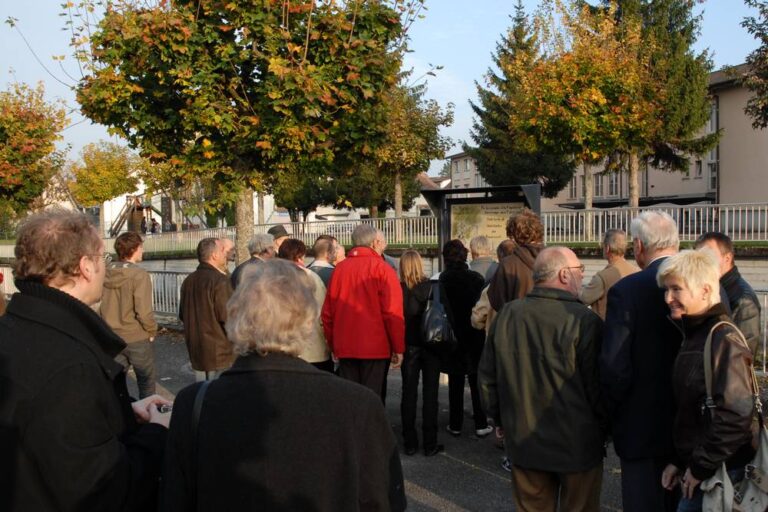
(488, 219)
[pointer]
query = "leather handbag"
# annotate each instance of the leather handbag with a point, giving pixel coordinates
(751, 494)
(436, 330)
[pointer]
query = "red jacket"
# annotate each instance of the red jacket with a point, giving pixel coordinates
(363, 309)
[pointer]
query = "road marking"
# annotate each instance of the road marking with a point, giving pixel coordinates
(430, 499)
(478, 468)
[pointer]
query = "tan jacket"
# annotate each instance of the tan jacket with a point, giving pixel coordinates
(126, 302)
(483, 313)
(316, 350)
(595, 293)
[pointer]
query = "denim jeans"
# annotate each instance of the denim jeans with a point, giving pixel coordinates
(141, 356)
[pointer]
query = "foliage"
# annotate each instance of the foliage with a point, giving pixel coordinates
(366, 187)
(29, 129)
(106, 170)
(239, 90)
(302, 192)
(756, 76)
(499, 158)
(669, 32)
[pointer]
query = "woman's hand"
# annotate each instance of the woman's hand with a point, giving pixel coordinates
(689, 483)
(143, 409)
(670, 476)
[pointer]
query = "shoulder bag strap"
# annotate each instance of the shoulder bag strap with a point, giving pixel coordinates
(197, 408)
(710, 403)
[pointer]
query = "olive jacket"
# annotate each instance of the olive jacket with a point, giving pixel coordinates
(539, 379)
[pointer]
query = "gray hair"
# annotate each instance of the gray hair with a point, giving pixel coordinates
(616, 241)
(206, 248)
(548, 263)
(480, 245)
(364, 235)
(657, 230)
(286, 316)
(261, 243)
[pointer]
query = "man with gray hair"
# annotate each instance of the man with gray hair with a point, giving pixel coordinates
(595, 293)
(363, 313)
(482, 261)
(640, 345)
(203, 309)
(539, 382)
(261, 247)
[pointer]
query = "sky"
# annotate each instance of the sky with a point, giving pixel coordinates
(459, 35)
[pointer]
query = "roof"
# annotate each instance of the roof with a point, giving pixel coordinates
(727, 76)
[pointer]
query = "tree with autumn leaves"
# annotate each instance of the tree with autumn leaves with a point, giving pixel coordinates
(30, 126)
(238, 92)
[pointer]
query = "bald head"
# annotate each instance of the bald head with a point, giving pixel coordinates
(560, 268)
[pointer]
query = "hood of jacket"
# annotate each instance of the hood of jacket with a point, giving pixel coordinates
(118, 273)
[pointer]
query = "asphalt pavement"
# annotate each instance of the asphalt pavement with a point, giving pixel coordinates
(467, 476)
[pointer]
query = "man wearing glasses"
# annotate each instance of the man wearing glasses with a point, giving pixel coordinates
(539, 382)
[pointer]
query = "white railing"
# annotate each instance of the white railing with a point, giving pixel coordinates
(742, 222)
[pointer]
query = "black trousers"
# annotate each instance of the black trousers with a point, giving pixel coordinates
(456, 401)
(641, 488)
(371, 373)
(420, 360)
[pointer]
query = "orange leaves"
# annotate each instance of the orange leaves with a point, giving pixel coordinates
(264, 144)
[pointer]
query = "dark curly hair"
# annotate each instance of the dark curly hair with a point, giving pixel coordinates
(525, 227)
(454, 252)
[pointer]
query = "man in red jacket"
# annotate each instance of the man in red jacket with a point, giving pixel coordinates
(363, 313)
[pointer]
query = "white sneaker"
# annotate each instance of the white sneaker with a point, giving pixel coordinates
(482, 432)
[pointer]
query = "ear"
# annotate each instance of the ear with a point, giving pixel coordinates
(87, 268)
(707, 291)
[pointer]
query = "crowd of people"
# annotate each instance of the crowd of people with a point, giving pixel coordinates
(291, 363)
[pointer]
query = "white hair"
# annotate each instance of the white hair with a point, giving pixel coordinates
(695, 269)
(273, 309)
(657, 230)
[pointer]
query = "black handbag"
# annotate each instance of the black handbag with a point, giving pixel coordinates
(436, 330)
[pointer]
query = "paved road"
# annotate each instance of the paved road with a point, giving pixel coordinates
(467, 476)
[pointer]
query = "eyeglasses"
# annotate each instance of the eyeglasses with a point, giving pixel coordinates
(581, 268)
(106, 257)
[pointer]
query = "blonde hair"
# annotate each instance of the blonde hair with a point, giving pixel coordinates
(695, 268)
(411, 269)
(273, 309)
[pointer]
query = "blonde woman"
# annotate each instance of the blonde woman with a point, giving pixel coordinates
(705, 437)
(418, 359)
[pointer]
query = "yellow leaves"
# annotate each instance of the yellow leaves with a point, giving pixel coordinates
(206, 143)
(208, 154)
(136, 88)
(264, 144)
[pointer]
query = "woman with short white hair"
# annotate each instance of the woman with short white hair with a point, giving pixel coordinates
(273, 432)
(705, 434)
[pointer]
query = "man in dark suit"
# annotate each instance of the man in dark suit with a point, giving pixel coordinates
(640, 345)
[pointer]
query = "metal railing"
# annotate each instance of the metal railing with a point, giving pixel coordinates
(742, 222)
(166, 290)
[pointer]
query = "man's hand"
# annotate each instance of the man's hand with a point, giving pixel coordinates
(397, 360)
(146, 411)
(689, 483)
(499, 433)
(670, 476)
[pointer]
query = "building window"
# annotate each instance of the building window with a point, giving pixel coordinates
(644, 182)
(713, 165)
(598, 188)
(466, 165)
(714, 115)
(714, 168)
(572, 188)
(698, 169)
(613, 184)
(455, 167)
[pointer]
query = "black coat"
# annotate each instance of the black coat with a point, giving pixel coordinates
(414, 305)
(640, 345)
(462, 288)
(68, 436)
(276, 434)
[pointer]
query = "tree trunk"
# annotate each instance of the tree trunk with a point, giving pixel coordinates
(373, 211)
(633, 178)
(588, 193)
(398, 207)
(244, 223)
(260, 201)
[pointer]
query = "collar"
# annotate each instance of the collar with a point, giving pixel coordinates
(207, 266)
(320, 263)
(362, 252)
(730, 277)
(273, 361)
(543, 292)
(692, 323)
(57, 310)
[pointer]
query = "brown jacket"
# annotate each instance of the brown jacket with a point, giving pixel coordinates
(595, 293)
(203, 309)
(514, 277)
(126, 302)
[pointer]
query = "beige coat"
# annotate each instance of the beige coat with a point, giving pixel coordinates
(595, 293)
(126, 302)
(316, 350)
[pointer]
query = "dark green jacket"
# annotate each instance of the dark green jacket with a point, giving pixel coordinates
(539, 380)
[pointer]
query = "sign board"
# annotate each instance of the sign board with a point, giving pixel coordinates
(486, 219)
